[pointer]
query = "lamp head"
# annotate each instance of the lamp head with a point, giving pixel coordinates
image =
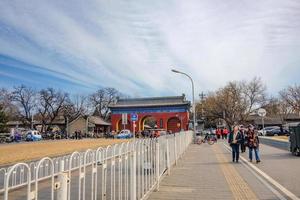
(175, 71)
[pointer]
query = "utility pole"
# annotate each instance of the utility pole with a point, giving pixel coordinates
(67, 131)
(202, 96)
(31, 122)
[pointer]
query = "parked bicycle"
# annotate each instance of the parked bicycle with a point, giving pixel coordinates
(208, 138)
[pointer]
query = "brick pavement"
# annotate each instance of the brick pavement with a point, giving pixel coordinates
(206, 172)
(197, 176)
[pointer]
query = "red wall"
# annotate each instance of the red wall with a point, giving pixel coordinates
(183, 116)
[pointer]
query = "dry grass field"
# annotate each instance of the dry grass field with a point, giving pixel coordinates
(13, 153)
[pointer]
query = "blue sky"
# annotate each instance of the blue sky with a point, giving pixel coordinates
(79, 46)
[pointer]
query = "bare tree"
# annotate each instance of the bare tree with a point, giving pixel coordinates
(278, 107)
(51, 105)
(25, 98)
(75, 107)
(6, 100)
(291, 95)
(5, 97)
(101, 99)
(234, 102)
(284, 110)
(272, 106)
(254, 95)
(3, 120)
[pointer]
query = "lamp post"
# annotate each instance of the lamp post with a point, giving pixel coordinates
(31, 122)
(193, 93)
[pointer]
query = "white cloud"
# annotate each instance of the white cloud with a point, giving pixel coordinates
(132, 45)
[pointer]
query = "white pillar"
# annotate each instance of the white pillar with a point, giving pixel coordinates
(157, 165)
(62, 165)
(133, 176)
(168, 158)
(175, 149)
(62, 186)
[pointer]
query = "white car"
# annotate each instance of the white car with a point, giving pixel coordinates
(124, 134)
(124, 131)
(263, 132)
(33, 135)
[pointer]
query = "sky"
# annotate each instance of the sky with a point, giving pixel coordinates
(80, 46)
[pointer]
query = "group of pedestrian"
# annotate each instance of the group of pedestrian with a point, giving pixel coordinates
(77, 135)
(222, 133)
(242, 137)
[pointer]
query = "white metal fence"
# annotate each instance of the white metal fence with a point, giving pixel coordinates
(123, 171)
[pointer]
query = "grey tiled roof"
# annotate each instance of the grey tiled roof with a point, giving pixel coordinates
(151, 101)
(269, 120)
(98, 121)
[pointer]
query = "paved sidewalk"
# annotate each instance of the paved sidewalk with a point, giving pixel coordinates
(197, 176)
(206, 172)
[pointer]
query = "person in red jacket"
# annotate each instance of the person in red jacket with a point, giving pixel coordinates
(225, 132)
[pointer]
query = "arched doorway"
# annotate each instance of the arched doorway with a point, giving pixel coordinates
(174, 125)
(148, 122)
(120, 126)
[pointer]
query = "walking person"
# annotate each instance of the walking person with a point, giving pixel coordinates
(243, 141)
(218, 132)
(222, 133)
(79, 135)
(76, 135)
(225, 132)
(234, 140)
(253, 144)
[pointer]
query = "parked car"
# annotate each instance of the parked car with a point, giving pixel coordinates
(263, 132)
(5, 137)
(276, 131)
(124, 134)
(33, 135)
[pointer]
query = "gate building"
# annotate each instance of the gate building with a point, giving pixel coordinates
(169, 113)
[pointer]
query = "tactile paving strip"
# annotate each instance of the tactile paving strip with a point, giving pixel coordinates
(238, 186)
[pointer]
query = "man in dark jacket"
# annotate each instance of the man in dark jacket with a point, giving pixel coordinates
(243, 140)
(234, 140)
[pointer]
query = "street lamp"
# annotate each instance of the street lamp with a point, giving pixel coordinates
(193, 92)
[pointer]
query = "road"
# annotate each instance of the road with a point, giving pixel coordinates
(282, 166)
(206, 172)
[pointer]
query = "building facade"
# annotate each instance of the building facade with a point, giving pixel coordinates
(89, 125)
(169, 113)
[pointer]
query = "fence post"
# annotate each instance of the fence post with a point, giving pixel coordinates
(175, 149)
(180, 147)
(133, 175)
(62, 186)
(157, 164)
(168, 158)
(62, 165)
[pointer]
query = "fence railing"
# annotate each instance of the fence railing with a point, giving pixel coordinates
(128, 170)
